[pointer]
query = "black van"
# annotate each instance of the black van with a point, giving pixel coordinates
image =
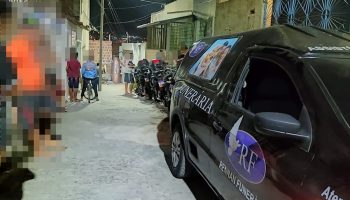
(265, 114)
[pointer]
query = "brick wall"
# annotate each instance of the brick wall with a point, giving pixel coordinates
(106, 51)
(107, 57)
(115, 48)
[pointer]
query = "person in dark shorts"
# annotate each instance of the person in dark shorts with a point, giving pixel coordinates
(89, 72)
(128, 78)
(73, 73)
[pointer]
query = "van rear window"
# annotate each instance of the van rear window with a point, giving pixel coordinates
(208, 64)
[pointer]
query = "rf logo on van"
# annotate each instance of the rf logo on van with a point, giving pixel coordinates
(245, 154)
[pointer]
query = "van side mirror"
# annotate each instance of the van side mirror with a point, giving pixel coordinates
(278, 125)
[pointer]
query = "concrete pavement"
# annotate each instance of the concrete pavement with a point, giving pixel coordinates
(113, 153)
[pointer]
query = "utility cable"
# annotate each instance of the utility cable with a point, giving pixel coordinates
(131, 21)
(135, 20)
(114, 14)
(108, 22)
(132, 7)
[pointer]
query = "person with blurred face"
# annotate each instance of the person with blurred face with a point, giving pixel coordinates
(127, 72)
(73, 74)
(31, 94)
(89, 72)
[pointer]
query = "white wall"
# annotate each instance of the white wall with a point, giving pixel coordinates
(181, 8)
(173, 10)
(205, 7)
(143, 50)
(138, 49)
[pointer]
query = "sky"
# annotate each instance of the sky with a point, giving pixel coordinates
(125, 14)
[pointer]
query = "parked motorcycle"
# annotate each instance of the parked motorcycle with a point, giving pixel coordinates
(155, 81)
(148, 86)
(169, 84)
(140, 75)
(140, 82)
(158, 82)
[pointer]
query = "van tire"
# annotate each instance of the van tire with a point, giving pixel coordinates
(180, 167)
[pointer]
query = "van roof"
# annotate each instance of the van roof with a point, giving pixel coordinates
(298, 38)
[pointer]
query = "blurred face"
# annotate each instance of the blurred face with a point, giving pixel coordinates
(7, 25)
(3, 26)
(39, 88)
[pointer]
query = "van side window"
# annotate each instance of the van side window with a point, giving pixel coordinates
(267, 88)
(208, 64)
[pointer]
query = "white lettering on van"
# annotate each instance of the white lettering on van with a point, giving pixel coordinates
(245, 152)
(204, 98)
(249, 195)
(325, 48)
(208, 108)
(189, 90)
(193, 95)
(196, 97)
(329, 194)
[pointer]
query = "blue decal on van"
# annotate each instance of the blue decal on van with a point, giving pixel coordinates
(245, 154)
(197, 49)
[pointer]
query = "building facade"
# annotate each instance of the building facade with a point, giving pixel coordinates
(177, 26)
(77, 14)
(182, 22)
(233, 16)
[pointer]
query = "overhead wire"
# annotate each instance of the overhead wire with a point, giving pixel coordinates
(86, 16)
(132, 7)
(107, 18)
(114, 13)
(112, 10)
(130, 21)
(108, 22)
(136, 20)
(95, 28)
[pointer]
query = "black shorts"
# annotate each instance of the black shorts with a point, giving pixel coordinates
(73, 83)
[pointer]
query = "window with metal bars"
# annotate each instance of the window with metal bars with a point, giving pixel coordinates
(181, 35)
(156, 37)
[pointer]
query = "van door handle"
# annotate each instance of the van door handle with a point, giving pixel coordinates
(217, 126)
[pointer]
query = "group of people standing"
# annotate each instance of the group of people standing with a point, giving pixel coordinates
(88, 72)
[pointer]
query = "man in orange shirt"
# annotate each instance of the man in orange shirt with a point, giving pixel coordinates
(30, 96)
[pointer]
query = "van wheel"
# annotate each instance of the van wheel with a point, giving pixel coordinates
(180, 167)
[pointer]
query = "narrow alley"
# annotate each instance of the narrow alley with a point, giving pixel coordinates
(114, 151)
